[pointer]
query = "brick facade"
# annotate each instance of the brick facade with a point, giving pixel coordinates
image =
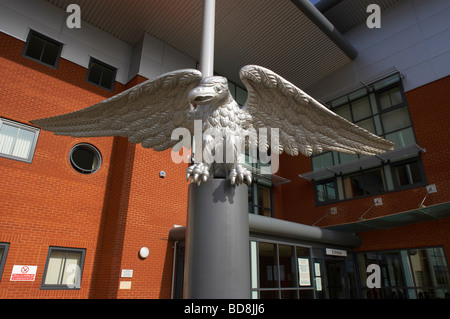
(112, 213)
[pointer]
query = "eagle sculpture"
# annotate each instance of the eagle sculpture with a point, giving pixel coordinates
(148, 114)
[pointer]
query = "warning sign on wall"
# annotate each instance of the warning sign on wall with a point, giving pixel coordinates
(23, 273)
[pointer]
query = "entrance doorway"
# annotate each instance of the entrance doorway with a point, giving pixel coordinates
(337, 285)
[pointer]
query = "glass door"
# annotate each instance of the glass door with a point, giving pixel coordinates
(336, 279)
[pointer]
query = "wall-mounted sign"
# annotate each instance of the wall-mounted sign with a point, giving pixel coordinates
(127, 273)
(303, 271)
(23, 273)
(336, 252)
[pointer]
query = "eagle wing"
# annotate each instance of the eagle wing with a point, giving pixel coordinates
(304, 124)
(146, 113)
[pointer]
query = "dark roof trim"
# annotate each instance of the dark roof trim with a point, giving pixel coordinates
(329, 29)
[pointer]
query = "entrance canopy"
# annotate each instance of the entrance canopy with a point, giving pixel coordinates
(421, 214)
(283, 228)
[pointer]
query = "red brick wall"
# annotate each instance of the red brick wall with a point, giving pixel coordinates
(111, 213)
(430, 112)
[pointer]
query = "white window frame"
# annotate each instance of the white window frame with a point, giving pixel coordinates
(25, 127)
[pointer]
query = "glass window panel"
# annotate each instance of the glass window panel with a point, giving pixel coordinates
(8, 135)
(268, 271)
(429, 268)
(374, 182)
(391, 98)
(353, 186)
(344, 112)
(402, 137)
(51, 52)
(95, 73)
(71, 269)
(378, 127)
(264, 196)
(289, 294)
(108, 77)
(322, 161)
(55, 268)
(23, 144)
(368, 125)
(306, 294)
(408, 174)
(35, 47)
(373, 103)
(361, 109)
(396, 119)
(391, 269)
(254, 263)
(326, 191)
(396, 96)
(287, 266)
(344, 158)
(268, 294)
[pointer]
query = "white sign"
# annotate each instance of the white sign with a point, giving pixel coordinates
(23, 273)
(127, 273)
(336, 252)
(303, 272)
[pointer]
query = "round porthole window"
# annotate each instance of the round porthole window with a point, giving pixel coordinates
(85, 158)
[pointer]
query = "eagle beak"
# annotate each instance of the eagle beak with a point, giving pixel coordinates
(201, 95)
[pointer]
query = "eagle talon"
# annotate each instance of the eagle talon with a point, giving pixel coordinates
(240, 175)
(198, 173)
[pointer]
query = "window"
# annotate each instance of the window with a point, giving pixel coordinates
(3, 253)
(419, 273)
(101, 74)
(382, 110)
(85, 158)
(280, 271)
(326, 191)
(42, 49)
(260, 199)
(17, 141)
(63, 268)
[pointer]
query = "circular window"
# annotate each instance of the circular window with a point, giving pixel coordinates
(85, 158)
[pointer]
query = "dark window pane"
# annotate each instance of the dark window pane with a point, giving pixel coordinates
(51, 52)
(326, 191)
(268, 268)
(95, 73)
(107, 78)
(287, 267)
(35, 47)
(374, 182)
(408, 174)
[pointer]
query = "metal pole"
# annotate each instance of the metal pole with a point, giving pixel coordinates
(207, 53)
(217, 264)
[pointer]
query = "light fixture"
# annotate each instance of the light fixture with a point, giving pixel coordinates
(144, 252)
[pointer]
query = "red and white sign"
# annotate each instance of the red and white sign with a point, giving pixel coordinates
(23, 273)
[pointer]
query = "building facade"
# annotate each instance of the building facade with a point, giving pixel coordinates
(76, 212)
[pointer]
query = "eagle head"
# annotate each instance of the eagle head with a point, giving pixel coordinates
(212, 90)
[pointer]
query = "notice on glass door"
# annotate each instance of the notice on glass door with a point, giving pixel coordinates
(303, 272)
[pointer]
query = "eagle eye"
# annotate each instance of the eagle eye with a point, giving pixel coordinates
(218, 88)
